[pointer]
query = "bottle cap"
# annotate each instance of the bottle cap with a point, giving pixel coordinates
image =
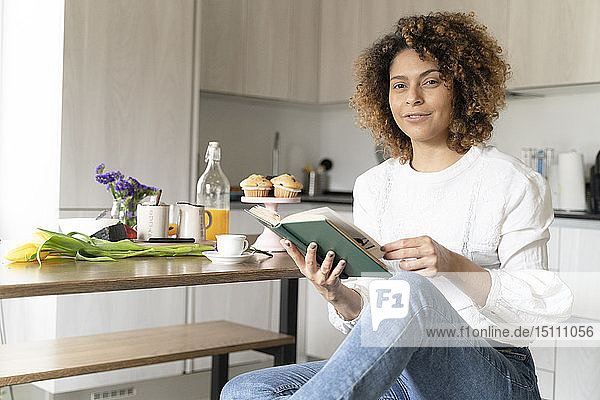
(213, 152)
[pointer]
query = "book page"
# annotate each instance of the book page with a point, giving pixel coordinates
(365, 241)
(265, 215)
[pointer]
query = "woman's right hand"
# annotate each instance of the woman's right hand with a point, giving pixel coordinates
(325, 277)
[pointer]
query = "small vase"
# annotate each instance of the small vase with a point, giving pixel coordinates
(125, 211)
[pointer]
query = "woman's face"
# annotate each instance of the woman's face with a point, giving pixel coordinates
(419, 100)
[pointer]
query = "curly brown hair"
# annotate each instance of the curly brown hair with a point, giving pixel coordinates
(470, 62)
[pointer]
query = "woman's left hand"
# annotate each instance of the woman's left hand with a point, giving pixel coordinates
(425, 256)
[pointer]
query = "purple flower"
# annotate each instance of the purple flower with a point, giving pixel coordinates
(129, 190)
(135, 182)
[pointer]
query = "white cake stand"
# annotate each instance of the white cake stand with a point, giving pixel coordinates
(268, 241)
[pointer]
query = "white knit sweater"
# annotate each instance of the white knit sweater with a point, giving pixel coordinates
(489, 207)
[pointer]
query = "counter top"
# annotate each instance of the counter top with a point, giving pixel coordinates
(576, 215)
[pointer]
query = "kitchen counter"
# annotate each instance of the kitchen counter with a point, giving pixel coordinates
(576, 215)
(327, 197)
(346, 198)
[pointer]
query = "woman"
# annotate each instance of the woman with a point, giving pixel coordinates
(444, 204)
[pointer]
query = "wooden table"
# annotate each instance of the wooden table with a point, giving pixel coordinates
(58, 277)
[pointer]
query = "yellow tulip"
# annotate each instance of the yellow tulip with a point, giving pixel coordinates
(28, 251)
(25, 253)
(39, 237)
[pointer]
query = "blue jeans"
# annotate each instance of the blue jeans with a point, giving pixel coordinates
(469, 369)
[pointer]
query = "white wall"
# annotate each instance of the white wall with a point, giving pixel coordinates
(564, 122)
(246, 128)
(30, 115)
(308, 133)
(312, 132)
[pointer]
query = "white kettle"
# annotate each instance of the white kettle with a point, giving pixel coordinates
(191, 221)
(571, 183)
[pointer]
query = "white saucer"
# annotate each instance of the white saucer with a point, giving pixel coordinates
(221, 259)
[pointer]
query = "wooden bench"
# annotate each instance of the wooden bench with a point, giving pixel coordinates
(63, 357)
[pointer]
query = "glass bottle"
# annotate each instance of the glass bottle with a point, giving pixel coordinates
(212, 192)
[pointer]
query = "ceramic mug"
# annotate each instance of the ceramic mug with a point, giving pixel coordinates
(152, 221)
(231, 245)
(192, 222)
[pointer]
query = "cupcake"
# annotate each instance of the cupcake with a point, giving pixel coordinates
(286, 186)
(256, 186)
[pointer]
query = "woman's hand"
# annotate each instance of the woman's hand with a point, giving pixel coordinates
(325, 277)
(425, 256)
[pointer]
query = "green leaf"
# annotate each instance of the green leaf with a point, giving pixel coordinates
(81, 257)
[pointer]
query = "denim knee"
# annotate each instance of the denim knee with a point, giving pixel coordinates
(422, 291)
(260, 384)
(238, 387)
(415, 280)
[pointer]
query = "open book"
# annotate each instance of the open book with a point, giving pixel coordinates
(326, 228)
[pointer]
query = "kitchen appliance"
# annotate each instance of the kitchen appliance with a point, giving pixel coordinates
(571, 184)
(317, 181)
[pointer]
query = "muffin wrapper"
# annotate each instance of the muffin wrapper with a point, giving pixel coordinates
(284, 192)
(253, 191)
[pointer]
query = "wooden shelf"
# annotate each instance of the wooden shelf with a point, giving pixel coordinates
(59, 358)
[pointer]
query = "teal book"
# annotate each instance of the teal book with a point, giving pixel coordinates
(326, 228)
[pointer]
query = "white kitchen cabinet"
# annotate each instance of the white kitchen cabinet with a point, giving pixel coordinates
(492, 14)
(304, 51)
(322, 339)
(380, 18)
(554, 42)
(268, 30)
(580, 268)
(348, 27)
(340, 45)
(248, 303)
(261, 48)
(554, 249)
(576, 375)
(545, 384)
(126, 97)
(571, 372)
(223, 27)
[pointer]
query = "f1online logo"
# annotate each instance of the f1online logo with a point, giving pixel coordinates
(389, 299)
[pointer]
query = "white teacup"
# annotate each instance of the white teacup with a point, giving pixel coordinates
(231, 245)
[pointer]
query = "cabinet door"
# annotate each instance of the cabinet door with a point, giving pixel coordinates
(545, 384)
(554, 42)
(223, 46)
(247, 303)
(576, 375)
(580, 268)
(268, 48)
(322, 339)
(378, 19)
(126, 96)
(492, 14)
(339, 48)
(304, 51)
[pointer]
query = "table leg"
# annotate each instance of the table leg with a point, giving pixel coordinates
(219, 375)
(288, 317)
